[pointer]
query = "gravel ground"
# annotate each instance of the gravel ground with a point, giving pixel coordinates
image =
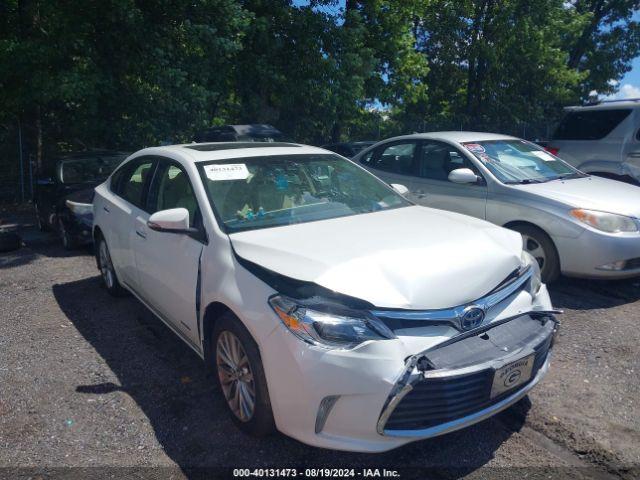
(92, 386)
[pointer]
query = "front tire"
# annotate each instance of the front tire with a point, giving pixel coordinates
(241, 377)
(541, 247)
(107, 272)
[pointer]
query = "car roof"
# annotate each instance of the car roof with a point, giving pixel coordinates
(455, 136)
(202, 152)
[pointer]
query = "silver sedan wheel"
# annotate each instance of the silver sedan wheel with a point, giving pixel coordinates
(532, 246)
(236, 376)
(106, 267)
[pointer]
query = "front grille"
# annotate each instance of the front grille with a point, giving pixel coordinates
(434, 401)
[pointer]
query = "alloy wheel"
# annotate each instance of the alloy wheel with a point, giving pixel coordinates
(106, 267)
(532, 246)
(236, 376)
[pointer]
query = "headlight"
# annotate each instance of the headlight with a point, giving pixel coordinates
(528, 260)
(80, 208)
(607, 222)
(330, 328)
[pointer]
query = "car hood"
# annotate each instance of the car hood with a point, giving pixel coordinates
(595, 193)
(409, 258)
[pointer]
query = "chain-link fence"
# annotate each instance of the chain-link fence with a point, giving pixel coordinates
(17, 168)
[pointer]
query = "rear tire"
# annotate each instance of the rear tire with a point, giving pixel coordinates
(537, 243)
(107, 272)
(238, 365)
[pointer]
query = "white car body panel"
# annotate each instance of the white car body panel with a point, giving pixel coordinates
(411, 257)
(375, 256)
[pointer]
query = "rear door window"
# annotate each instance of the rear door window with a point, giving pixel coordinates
(133, 182)
(589, 124)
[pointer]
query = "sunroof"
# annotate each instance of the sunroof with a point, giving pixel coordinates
(213, 147)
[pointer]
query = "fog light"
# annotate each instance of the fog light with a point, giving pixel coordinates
(615, 266)
(324, 410)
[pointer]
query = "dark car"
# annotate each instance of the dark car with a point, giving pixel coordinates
(348, 149)
(257, 132)
(64, 193)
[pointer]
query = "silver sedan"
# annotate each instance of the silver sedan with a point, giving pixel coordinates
(571, 222)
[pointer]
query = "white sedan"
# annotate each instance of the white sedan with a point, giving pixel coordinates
(331, 308)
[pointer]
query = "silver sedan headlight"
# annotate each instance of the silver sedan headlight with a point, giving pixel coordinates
(607, 222)
(528, 260)
(326, 328)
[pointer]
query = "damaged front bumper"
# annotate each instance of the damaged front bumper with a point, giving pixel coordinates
(453, 384)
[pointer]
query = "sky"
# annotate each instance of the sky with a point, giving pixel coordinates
(630, 84)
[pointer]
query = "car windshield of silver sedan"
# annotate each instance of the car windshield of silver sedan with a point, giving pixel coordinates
(271, 191)
(518, 161)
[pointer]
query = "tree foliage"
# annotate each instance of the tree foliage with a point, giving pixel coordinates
(132, 73)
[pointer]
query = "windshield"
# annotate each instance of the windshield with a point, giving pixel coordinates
(518, 161)
(88, 169)
(261, 192)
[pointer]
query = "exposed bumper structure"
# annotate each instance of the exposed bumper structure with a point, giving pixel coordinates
(473, 418)
(452, 385)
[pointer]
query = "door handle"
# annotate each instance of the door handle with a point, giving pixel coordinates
(106, 209)
(634, 154)
(141, 227)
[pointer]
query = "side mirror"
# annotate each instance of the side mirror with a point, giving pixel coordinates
(401, 189)
(463, 175)
(174, 220)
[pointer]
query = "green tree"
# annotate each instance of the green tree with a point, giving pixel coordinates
(493, 64)
(120, 73)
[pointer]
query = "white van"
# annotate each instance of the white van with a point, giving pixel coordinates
(602, 139)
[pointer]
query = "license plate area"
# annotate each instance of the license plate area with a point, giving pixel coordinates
(512, 375)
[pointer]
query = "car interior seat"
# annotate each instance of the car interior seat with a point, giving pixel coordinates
(178, 194)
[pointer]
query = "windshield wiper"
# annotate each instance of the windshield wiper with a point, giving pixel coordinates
(569, 175)
(526, 181)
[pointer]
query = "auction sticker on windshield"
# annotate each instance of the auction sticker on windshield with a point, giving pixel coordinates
(229, 171)
(474, 147)
(511, 375)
